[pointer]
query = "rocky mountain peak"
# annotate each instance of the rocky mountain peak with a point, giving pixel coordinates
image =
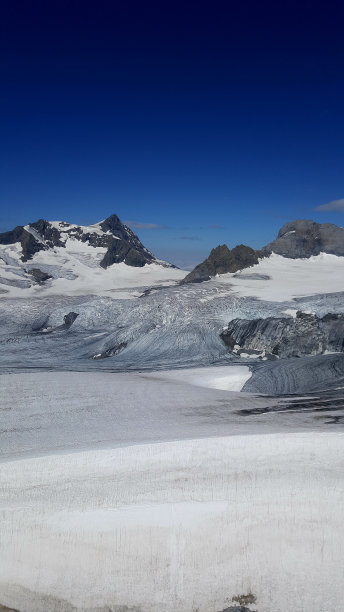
(121, 244)
(111, 224)
(222, 260)
(304, 238)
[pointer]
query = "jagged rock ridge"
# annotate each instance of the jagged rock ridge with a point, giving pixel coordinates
(306, 334)
(222, 260)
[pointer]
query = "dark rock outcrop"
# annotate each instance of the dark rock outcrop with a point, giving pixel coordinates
(41, 324)
(39, 276)
(110, 352)
(69, 319)
(121, 251)
(29, 244)
(222, 260)
(123, 245)
(49, 234)
(113, 225)
(307, 334)
(302, 238)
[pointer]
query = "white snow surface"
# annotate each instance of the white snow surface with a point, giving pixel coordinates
(76, 271)
(182, 525)
(289, 278)
(136, 496)
(62, 226)
(227, 378)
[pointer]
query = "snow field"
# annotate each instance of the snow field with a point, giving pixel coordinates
(177, 526)
(227, 378)
(76, 271)
(289, 278)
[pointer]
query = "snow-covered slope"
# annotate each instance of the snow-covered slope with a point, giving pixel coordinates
(57, 258)
(277, 279)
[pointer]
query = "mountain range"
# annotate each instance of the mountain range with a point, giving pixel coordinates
(273, 305)
(39, 255)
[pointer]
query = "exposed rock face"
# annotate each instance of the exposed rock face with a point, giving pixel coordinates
(121, 243)
(110, 352)
(39, 276)
(302, 238)
(29, 244)
(120, 250)
(69, 319)
(222, 260)
(125, 246)
(49, 234)
(307, 334)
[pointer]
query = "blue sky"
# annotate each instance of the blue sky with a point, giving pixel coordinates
(200, 123)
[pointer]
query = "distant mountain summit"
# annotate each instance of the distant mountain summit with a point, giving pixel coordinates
(302, 238)
(121, 244)
(295, 240)
(222, 260)
(58, 257)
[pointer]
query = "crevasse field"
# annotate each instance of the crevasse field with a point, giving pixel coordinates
(143, 468)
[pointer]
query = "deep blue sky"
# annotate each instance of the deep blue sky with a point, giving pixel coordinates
(215, 121)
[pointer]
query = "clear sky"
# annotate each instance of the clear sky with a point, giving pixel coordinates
(198, 122)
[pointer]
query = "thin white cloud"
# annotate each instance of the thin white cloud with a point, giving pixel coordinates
(333, 205)
(139, 225)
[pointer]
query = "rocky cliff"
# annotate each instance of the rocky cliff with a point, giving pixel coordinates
(222, 260)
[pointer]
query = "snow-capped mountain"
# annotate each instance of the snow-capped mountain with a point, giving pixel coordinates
(120, 242)
(58, 257)
(295, 240)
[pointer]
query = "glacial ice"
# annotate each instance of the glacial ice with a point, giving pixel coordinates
(127, 485)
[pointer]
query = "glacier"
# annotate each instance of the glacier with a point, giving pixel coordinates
(146, 467)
